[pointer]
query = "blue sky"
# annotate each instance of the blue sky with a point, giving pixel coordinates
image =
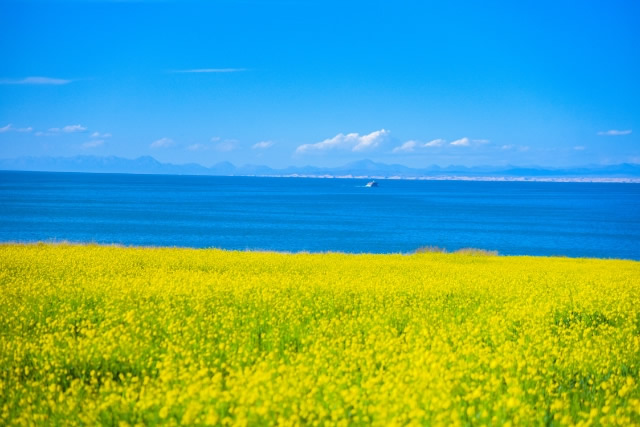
(322, 82)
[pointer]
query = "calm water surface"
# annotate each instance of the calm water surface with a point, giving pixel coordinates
(298, 214)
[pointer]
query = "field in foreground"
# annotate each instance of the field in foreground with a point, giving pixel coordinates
(92, 334)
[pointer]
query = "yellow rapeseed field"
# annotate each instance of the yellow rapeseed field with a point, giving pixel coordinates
(124, 336)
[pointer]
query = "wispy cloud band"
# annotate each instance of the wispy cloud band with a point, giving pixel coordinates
(435, 143)
(211, 70)
(407, 147)
(162, 143)
(416, 146)
(412, 145)
(462, 142)
(615, 132)
(69, 129)
(262, 145)
(100, 135)
(11, 128)
(35, 81)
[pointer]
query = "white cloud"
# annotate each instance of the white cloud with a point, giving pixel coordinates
(73, 128)
(462, 142)
(579, 147)
(10, 127)
(196, 147)
(262, 145)
(507, 147)
(371, 141)
(215, 138)
(100, 135)
(162, 143)
(435, 143)
(407, 147)
(412, 145)
(524, 148)
(212, 70)
(68, 129)
(35, 81)
(353, 141)
(614, 132)
(226, 145)
(93, 144)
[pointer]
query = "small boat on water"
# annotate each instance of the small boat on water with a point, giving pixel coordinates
(371, 184)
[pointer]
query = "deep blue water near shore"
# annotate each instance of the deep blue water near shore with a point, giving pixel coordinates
(298, 214)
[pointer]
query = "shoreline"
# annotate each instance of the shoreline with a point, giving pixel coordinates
(395, 177)
(458, 178)
(467, 251)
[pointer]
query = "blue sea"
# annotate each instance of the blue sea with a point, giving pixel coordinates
(305, 214)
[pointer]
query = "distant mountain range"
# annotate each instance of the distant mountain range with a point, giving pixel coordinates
(362, 168)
